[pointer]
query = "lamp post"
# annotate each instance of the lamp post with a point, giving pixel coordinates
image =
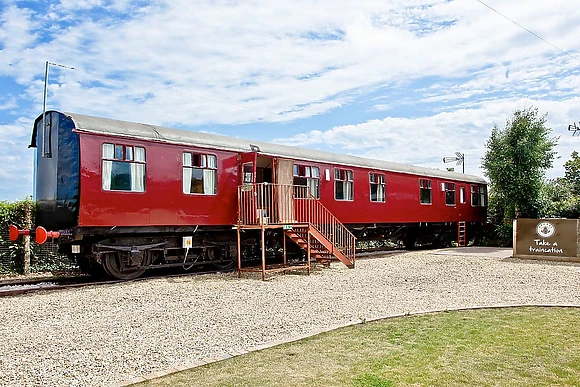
(459, 157)
(46, 65)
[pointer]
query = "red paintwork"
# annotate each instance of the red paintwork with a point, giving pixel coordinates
(164, 203)
(402, 203)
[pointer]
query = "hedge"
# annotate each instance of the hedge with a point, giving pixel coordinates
(12, 254)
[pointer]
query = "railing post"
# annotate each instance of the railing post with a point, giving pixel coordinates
(309, 204)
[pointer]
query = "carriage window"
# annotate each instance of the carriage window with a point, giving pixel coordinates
(425, 191)
(248, 173)
(199, 173)
(377, 182)
(308, 176)
(343, 184)
(123, 168)
(478, 196)
(450, 194)
(462, 195)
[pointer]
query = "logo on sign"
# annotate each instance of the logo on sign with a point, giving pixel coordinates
(545, 229)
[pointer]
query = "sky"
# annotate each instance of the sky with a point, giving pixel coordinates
(409, 81)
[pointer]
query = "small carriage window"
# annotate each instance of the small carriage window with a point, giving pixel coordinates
(199, 173)
(478, 196)
(425, 191)
(377, 182)
(462, 195)
(450, 194)
(139, 154)
(119, 152)
(123, 168)
(308, 176)
(343, 184)
(248, 173)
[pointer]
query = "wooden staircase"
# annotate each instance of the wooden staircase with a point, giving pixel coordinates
(302, 217)
(318, 246)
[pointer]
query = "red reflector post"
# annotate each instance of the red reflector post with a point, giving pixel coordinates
(14, 232)
(42, 235)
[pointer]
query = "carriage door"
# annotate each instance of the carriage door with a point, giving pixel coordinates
(284, 179)
(247, 207)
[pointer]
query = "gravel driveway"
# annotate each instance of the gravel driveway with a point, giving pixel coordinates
(100, 336)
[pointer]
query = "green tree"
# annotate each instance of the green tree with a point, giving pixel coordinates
(558, 200)
(572, 175)
(561, 196)
(515, 162)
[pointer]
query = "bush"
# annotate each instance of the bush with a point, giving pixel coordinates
(19, 213)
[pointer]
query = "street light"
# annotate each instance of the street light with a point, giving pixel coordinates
(47, 63)
(459, 157)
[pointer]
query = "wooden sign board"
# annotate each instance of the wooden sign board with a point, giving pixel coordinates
(547, 239)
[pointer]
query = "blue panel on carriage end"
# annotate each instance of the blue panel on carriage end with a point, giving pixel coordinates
(68, 174)
(57, 172)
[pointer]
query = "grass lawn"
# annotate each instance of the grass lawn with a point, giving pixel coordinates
(496, 347)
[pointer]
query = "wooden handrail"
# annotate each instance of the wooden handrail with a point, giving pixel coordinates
(284, 204)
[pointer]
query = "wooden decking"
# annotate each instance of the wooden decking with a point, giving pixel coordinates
(303, 220)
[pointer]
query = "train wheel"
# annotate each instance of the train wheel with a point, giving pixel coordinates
(111, 266)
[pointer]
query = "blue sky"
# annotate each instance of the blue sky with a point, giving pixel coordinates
(409, 81)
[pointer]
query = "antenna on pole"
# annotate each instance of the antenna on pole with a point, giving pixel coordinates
(459, 157)
(575, 129)
(47, 63)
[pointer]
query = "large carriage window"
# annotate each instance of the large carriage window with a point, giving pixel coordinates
(478, 196)
(377, 182)
(425, 191)
(450, 194)
(123, 168)
(343, 184)
(199, 173)
(308, 176)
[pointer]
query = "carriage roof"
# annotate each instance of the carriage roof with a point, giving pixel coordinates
(110, 127)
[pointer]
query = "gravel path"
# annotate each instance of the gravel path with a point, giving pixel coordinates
(99, 336)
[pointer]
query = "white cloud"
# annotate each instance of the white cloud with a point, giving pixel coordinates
(438, 72)
(426, 140)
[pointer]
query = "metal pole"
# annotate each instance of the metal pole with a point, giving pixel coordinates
(263, 254)
(46, 64)
(44, 109)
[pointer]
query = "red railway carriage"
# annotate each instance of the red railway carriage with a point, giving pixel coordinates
(127, 196)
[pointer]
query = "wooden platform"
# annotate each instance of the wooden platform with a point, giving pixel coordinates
(271, 268)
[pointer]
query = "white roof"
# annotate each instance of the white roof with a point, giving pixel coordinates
(110, 127)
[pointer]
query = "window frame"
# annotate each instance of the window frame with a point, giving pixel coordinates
(134, 156)
(426, 185)
(311, 174)
(382, 183)
(480, 192)
(450, 187)
(462, 197)
(202, 159)
(347, 180)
